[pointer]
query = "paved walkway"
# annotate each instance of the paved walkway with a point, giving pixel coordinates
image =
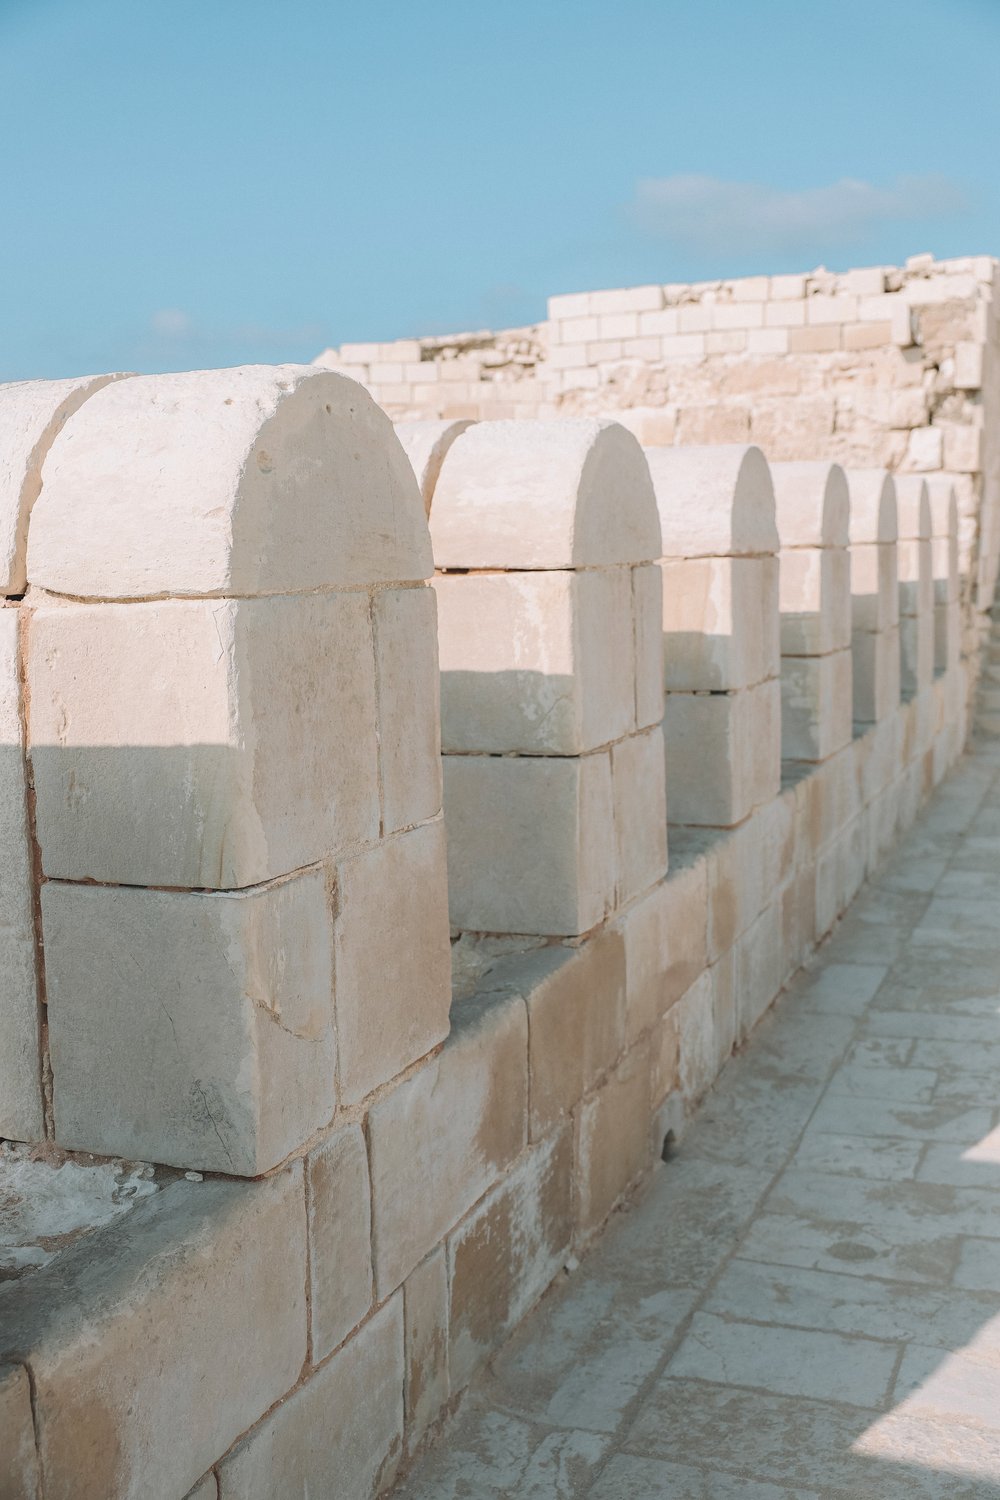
(806, 1303)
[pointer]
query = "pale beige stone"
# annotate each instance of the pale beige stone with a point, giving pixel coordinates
(694, 1018)
(409, 711)
(202, 743)
(876, 674)
(428, 1384)
(425, 443)
(192, 1028)
(873, 515)
(393, 957)
(816, 705)
(32, 413)
(134, 1372)
(543, 495)
(441, 1138)
(811, 504)
(576, 1023)
(538, 662)
(917, 647)
(531, 843)
(640, 811)
(613, 1138)
(208, 1489)
(647, 615)
(761, 967)
(19, 1475)
(505, 1254)
(341, 1432)
(264, 479)
(814, 600)
(665, 946)
(21, 1111)
(874, 586)
(720, 622)
(338, 1200)
(714, 501)
(723, 753)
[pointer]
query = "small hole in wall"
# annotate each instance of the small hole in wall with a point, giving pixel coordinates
(669, 1146)
(329, 408)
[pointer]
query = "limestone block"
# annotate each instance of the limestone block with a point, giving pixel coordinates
(723, 753)
(917, 646)
(640, 808)
(409, 711)
(21, 1112)
(697, 1048)
(19, 1478)
(735, 881)
(873, 506)
(944, 538)
(338, 1201)
(874, 586)
(544, 495)
(206, 1489)
(665, 946)
(340, 1433)
(613, 1138)
(505, 1254)
(761, 968)
(816, 705)
(876, 674)
(190, 1027)
(425, 443)
(537, 662)
(814, 600)
(441, 1138)
(135, 1392)
(531, 843)
(714, 501)
(428, 1384)
(724, 1020)
(266, 479)
(647, 616)
(393, 958)
(202, 743)
(947, 635)
(811, 504)
(720, 622)
(576, 1023)
(32, 413)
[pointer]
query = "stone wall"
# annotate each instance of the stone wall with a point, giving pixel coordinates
(226, 954)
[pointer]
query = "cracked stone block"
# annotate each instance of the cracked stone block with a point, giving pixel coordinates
(21, 1110)
(536, 662)
(193, 1028)
(338, 1201)
(816, 705)
(264, 479)
(720, 622)
(723, 753)
(531, 842)
(207, 743)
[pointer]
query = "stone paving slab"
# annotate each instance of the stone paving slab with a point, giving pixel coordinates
(805, 1303)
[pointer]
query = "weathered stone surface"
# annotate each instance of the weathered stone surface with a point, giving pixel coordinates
(21, 1112)
(531, 844)
(811, 504)
(440, 1139)
(723, 753)
(714, 501)
(537, 662)
(613, 1138)
(425, 444)
(428, 1386)
(720, 623)
(814, 600)
(338, 1200)
(193, 1028)
(202, 1279)
(19, 1475)
(340, 1432)
(576, 1023)
(393, 957)
(504, 1255)
(266, 479)
(816, 705)
(258, 758)
(409, 709)
(544, 495)
(32, 413)
(647, 613)
(640, 807)
(665, 946)
(875, 669)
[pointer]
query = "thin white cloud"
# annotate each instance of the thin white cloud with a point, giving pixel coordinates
(707, 215)
(171, 323)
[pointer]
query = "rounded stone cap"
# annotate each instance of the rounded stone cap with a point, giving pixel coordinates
(944, 506)
(544, 495)
(264, 479)
(913, 507)
(812, 504)
(425, 443)
(714, 501)
(873, 506)
(32, 413)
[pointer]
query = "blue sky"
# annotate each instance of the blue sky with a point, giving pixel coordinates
(209, 182)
